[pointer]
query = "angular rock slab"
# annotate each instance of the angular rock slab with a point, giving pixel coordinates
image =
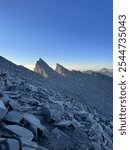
(20, 131)
(5, 99)
(14, 116)
(13, 144)
(14, 104)
(34, 121)
(3, 110)
(53, 110)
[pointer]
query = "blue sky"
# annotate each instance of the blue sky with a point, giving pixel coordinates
(75, 33)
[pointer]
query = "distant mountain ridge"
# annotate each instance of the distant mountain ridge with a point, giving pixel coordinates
(105, 71)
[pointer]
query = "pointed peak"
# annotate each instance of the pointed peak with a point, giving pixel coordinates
(62, 70)
(60, 66)
(44, 69)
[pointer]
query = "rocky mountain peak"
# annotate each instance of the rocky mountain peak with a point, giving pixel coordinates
(62, 70)
(43, 68)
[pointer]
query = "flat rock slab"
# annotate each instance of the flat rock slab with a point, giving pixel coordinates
(34, 121)
(13, 144)
(20, 131)
(14, 116)
(3, 110)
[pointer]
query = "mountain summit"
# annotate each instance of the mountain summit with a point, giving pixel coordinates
(44, 69)
(62, 70)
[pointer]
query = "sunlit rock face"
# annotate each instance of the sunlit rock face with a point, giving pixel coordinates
(62, 70)
(42, 68)
(45, 70)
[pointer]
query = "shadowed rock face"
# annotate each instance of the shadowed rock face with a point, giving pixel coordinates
(35, 117)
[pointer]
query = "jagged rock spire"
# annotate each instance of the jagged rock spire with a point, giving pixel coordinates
(43, 68)
(62, 70)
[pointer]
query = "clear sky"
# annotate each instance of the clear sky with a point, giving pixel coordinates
(74, 33)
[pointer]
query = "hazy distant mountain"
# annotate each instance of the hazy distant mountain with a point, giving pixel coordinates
(105, 71)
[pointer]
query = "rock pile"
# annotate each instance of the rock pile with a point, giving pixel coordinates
(34, 118)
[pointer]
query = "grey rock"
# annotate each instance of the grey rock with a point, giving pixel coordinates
(63, 123)
(5, 99)
(26, 142)
(14, 104)
(96, 127)
(3, 110)
(13, 144)
(20, 131)
(14, 116)
(34, 121)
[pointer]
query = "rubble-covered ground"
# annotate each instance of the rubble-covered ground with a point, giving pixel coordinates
(33, 117)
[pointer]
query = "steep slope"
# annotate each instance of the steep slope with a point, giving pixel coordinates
(89, 89)
(35, 118)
